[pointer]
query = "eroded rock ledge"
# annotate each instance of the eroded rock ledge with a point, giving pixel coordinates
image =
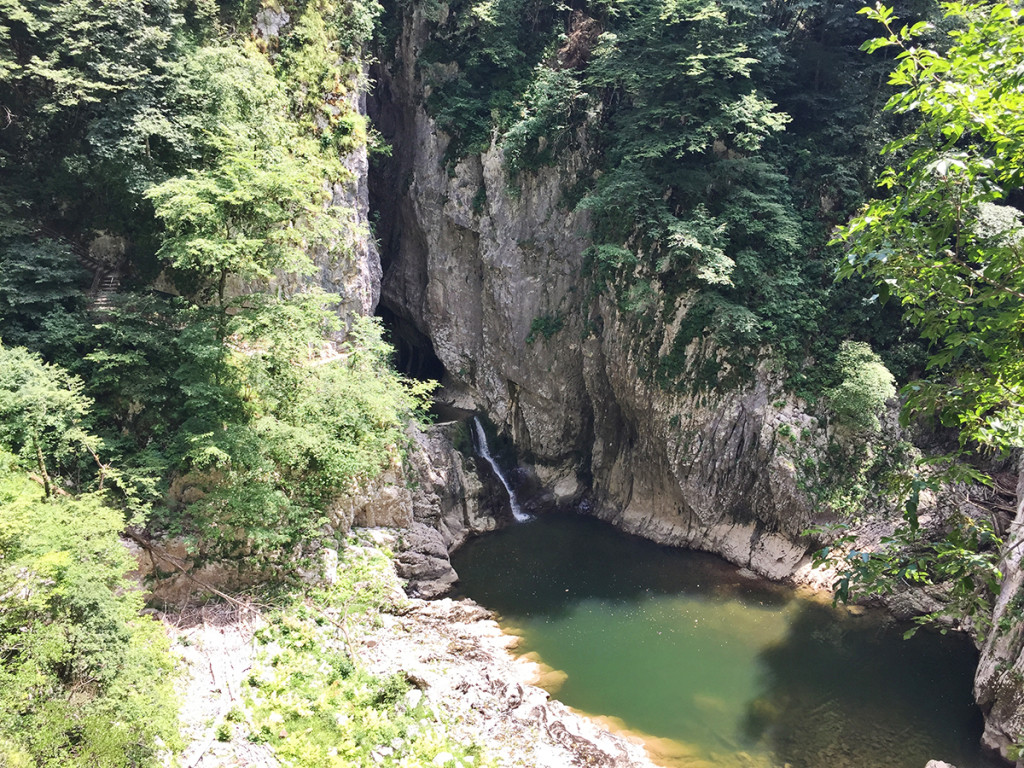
(451, 651)
(457, 655)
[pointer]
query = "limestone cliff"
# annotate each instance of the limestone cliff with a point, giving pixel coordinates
(998, 682)
(490, 275)
(351, 268)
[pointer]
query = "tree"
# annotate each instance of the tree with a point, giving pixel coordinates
(864, 389)
(259, 202)
(42, 413)
(944, 240)
(41, 295)
(84, 679)
(82, 103)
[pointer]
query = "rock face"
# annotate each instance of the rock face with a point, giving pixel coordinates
(491, 276)
(435, 501)
(352, 269)
(445, 509)
(998, 685)
(457, 656)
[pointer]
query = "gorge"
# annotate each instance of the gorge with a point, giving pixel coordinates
(601, 241)
(484, 268)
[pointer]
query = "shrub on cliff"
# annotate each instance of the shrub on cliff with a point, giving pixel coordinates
(84, 679)
(309, 431)
(865, 387)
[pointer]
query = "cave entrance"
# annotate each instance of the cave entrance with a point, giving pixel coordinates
(415, 356)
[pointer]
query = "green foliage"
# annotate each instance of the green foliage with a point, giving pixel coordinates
(694, 359)
(244, 443)
(865, 388)
(698, 178)
(937, 239)
(118, 107)
(260, 204)
(550, 107)
(544, 326)
(852, 475)
(85, 99)
(300, 433)
(603, 262)
(42, 418)
(214, 155)
(84, 680)
(309, 699)
(690, 89)
(497, 44)
(964, 559)
(309, 54)
(40, 295)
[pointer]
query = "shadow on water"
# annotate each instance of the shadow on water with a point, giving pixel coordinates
(850, 692)
(551, 564)
(736, 672)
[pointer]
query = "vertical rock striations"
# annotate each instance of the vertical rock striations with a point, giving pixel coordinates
(491, 271)
(998, 683)
(351, 268)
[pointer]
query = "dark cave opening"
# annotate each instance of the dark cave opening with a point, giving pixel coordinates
(414, 352)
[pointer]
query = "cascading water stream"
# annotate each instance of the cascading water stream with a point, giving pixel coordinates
(485, 452)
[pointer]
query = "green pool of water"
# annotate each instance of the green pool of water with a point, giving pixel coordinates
(717, 669)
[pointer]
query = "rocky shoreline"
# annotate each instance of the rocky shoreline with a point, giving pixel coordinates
(452, 652)
(457, 655)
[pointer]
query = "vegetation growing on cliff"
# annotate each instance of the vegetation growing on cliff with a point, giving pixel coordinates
(84, 679)
(162, 142)
(724, 144)
(183, 146)
(943, 237)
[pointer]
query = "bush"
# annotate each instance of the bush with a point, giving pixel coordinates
(84, 679)
(313, 431)
(311, 700)
(866, 386)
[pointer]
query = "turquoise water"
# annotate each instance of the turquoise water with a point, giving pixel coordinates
(715, 669)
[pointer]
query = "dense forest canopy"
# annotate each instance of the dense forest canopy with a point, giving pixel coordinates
(178, 146)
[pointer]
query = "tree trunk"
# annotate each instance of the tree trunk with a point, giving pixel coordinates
(47, 489)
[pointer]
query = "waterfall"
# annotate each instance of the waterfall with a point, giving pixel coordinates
(485, 452)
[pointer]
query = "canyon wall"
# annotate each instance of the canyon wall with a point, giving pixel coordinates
(351, 268)
(999, 681)
(490, 273)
